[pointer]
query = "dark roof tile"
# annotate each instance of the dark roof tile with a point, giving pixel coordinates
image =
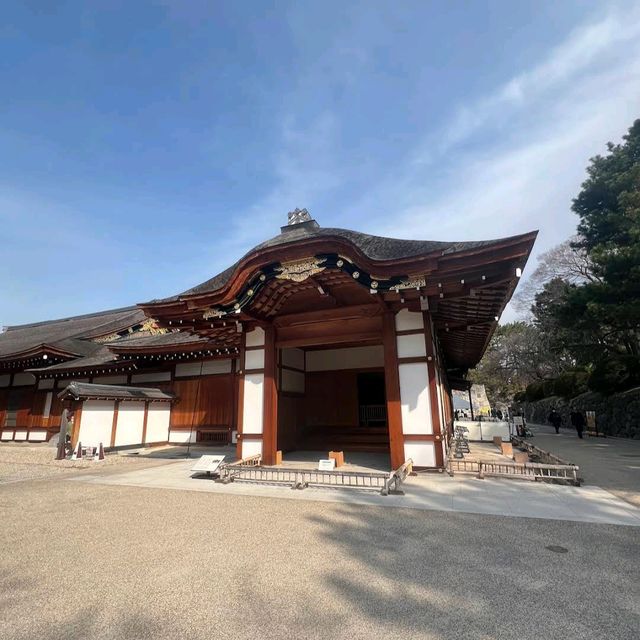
(377, 248)
(80, 390)
(68, 334)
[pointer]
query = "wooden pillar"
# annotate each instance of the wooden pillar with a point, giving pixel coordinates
(270, 399)
(239, 382)
(145, 419)
(392, 388)
(114, 423)
(77, 416)
(433, 390)
(470, 403)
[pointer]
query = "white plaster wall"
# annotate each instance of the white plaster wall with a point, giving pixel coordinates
(292, 358)
(212, 367)
(252, 405)
(203, 368)
(414, 398)
(37, 436)
(181, 437)
(411, 346)
(96, 422)
(110, 380)
(20, 435)
(4, 380)
(349, 358)
(423, 454)
(46, 383)
(409, 320)
(7, 435)
(23, 379)
(158, 376)
(254, 359)
(158, 422)
(188, 369)
(292, 381)
(251, 448)
(255, 338)
(130, 423)
(485, 431)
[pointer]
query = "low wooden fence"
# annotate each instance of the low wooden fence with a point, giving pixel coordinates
(384, 483)
(535, 471)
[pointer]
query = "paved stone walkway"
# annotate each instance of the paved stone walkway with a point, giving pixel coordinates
(437, 492)
(610, 463)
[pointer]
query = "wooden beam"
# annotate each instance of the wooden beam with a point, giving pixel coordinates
(339, 313)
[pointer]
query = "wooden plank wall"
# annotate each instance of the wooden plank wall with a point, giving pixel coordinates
(331, 398)
(4, 396)
(209, 406)
(291, 416)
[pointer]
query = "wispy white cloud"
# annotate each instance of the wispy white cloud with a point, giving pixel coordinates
(547, 122)
(597, 44)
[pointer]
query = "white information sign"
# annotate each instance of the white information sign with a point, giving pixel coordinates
(326, 465)
(208, 464)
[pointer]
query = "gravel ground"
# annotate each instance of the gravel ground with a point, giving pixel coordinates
(27, 462)
(92, 561)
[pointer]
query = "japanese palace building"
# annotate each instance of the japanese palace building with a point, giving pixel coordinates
(316, 339)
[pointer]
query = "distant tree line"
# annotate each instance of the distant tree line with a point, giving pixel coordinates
(581, 306)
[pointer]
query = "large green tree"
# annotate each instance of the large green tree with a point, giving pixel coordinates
(583, 300)
(609, 232)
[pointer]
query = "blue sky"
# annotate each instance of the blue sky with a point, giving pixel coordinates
(144, 146)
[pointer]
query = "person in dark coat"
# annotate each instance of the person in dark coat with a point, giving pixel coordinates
(555, 419)
(578, 421)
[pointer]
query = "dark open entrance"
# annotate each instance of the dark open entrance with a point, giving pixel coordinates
(372, 406)
(332, 401)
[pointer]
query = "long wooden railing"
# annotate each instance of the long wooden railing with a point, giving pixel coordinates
(248, 471)
(520, 470)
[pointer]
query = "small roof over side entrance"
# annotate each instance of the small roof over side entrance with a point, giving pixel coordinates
(88, 391)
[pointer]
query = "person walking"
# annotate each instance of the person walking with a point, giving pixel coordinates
(555, 419)
(578, 421)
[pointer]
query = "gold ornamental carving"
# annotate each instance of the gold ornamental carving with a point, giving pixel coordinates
(213, 314)
(151, 326)
(300, 270)
(414, 283)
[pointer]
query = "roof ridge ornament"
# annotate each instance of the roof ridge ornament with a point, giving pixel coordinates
(299, 219)
(297, 216)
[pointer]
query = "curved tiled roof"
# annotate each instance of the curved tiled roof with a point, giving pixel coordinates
(378, 248)
(144, 339)
(101, 357)
(72, 335)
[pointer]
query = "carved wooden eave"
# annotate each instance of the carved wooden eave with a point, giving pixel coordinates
(463, 289)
